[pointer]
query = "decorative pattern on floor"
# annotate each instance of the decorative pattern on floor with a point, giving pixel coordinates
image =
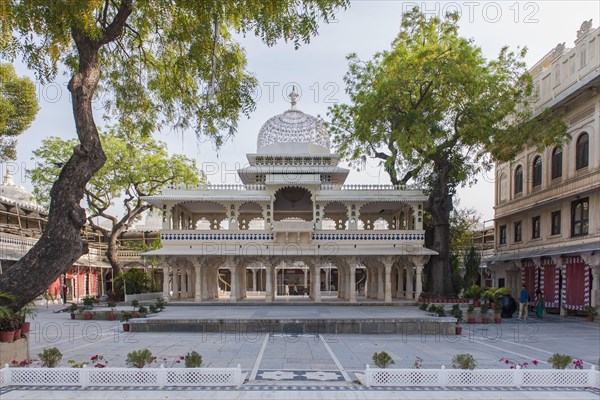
(320, 376)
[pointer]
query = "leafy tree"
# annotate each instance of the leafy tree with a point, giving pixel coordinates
(18, 108)
(159, 63)
(471, 263)
(136, 166)
(135, 280)
(434, 109)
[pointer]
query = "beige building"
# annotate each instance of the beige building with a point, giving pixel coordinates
(547, 205)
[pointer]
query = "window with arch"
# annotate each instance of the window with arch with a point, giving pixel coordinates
(582, 150)
(556, 163)
(519, 180)
(537, 172)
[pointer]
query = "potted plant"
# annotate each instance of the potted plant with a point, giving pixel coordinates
(560, 361)
(139, 358)
(193, 360)
(382, 359)
(88, 302)
(142, 311)
(485, 319)
(476, 294)
(498, 316)
(28, 310)
(50, 357)
(73, 308)
(457, 313)
(125, 317)
(111, 314)
(464, 361)
(7, 331)
(591, 312)
(470, 314)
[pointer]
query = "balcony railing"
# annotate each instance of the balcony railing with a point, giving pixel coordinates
(360, 236)
(203, 187)
(331, 186)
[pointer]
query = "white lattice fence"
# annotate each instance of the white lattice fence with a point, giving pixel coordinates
(121, 377)
(483, 377)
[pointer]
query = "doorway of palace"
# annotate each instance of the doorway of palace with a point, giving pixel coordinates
(224, 280)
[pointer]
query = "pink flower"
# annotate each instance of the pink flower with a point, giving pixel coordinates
(94, 358)
(181, 357)
(512, 367)
(535, 362)
(178, 361)
(99, 365)
(506, 362)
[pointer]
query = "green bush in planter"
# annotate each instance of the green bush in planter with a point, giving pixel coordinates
(441, 312)
(432, 308)
(139, 358)
(382, 359)
(464, 361)
(112, 305)
(142, 310)
(560, 361)
(470, 308)
(135, 303)
(126, 316)
(88, 301)
(484, 309)
(50, 357)
(423, 306)
(193, 360)
(161, 303)
(73, 307)
(153, 308)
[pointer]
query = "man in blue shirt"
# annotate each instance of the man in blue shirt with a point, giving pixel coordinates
(523, 303)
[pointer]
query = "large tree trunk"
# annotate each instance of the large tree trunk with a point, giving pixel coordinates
(112, 253)
(60, 244)
(439, 206)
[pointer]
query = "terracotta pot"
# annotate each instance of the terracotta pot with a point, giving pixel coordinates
(7, 336)
(112, 317)
(458, 330)
(471, 319)
(125, 327)
(26, 328)
(18, 333)
(476, 303)
(497, 320)
(485, 319)
(87, 317)
(589, 318)
(72, 315)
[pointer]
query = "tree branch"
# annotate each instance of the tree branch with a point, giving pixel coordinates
(115, 28)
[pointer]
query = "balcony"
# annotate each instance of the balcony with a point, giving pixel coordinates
(576, 185)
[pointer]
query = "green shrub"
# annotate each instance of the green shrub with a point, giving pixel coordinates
(560, 361)
(423, 306)
(142, 310)
(153, 308)
(126, 316)
(73, 307)
(484, 309)
(464, 361)
(457, 313)
(432, 308)
(50, 357)
(111, 304)
(161, 303)
(441, 312)
(591, 311)
(382, 359)
(88, 301)
(470, 308)
(135, 303)
(193, 360)
(139, 358)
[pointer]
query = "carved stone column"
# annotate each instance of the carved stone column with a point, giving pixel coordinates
(233, 273)
(419, 262)
(198, 288)
(254, 280)
(352, 294)
(400, 282)
(175, 281)
(409, 282)
(182, 285)
(188, 279)
(165, 285)
(380, 283)
(269, 283)
(317, 295)
(558, 262)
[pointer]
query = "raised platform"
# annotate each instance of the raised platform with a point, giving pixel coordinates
(300, 319)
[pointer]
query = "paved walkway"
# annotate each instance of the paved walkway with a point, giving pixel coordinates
(313, 366)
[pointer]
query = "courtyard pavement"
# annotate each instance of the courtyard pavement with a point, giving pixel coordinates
(311, 366)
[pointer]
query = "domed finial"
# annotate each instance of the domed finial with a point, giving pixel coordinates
(8, 179)
(294, 97)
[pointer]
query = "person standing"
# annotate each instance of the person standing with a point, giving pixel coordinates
(523, 303)
(65, 290)
(539, 299)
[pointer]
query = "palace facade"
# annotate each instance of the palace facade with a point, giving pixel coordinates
(547, 205)
(292, 227)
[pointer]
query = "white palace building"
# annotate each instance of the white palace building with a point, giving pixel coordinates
(292, 228)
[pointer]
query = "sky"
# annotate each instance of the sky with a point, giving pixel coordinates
(317, 70)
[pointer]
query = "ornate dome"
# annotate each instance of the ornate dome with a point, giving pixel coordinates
(291, 127)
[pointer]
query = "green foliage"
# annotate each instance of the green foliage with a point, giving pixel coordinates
(484, 309)
(73, 307)
(112, 305)
(88, 301)
(560, 361)
(18, 108)
(136, 281)
(591, 311)
(423, 306)
(470, 308)
(471, 262)
(457, 279)
(432, 308)
(29, 310)
(5, 312)
(502, 292)
(457, 313)
(126, 316)
(135, 303)
(433, 108)
(153, 309)
(474, 292)
(489, 294)
(193, 360)
(50, 357)
(382, 359)
(441, 312)
(142, 310)
(139, 358)
(161, 303)
(464, 361)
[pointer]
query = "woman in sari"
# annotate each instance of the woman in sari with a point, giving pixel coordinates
(539, 304)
